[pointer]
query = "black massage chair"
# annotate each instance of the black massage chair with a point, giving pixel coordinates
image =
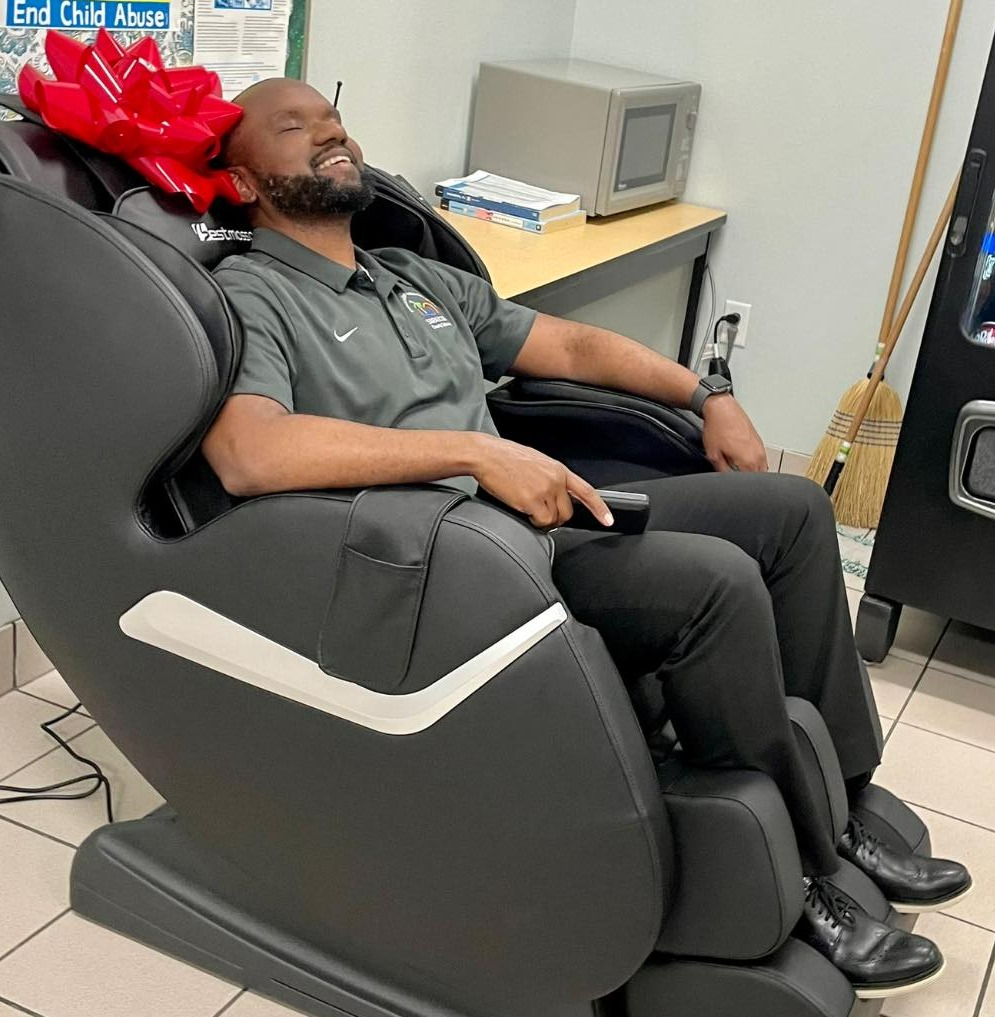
(402, 780)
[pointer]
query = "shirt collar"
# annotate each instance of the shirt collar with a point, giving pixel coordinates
(324, 270)
(383, 278)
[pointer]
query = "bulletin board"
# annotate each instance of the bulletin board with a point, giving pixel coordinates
(243, 40)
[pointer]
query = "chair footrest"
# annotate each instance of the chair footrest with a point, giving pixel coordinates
(892, 821)
(727, 823)
(793, 982)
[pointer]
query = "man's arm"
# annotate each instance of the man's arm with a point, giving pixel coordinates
(556, 348)
(256, 446)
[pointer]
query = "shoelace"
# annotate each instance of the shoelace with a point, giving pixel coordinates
(828, 902)
(861, 836)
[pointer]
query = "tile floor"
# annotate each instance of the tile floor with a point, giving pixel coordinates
(935, 694)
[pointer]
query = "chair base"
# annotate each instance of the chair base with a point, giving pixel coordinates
(149, 881)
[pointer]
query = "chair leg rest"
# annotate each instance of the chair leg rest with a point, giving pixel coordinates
(892, 821)
(795, 981)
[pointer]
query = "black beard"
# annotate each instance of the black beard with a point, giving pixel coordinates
(308, 198)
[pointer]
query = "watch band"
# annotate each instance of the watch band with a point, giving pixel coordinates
(714, 384)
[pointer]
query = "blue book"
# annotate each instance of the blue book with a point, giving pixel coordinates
(497, 194)
(559, 222)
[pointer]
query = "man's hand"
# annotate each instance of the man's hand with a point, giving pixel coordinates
(731, 442)
(533, 484)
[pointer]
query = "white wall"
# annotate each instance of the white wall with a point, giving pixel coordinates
(409, 70)
(810, 123)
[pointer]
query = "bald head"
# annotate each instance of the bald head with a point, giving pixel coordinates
(290, 154)
(259, 101)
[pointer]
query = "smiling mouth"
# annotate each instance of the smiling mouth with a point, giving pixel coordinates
(332, 160)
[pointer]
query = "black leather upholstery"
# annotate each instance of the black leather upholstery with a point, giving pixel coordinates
(185, 484)
(206, 238)
(32, 152)
(728, 824)
(401, 217)
(822, 764)
(606, 437)
(60, 164)
(794, 982)
(381, 578)
(891, 821)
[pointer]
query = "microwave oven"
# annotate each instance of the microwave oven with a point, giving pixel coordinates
(619, 138)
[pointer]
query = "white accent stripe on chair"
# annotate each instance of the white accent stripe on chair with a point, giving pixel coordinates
(179, 625)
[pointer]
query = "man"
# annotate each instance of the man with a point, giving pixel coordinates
(362, 370)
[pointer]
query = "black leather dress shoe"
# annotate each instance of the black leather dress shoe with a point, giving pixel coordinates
(910, 882)
(879, 960)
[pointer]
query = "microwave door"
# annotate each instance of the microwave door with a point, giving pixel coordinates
(643, 150)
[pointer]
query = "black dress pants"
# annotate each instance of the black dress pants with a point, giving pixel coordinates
(734, 598)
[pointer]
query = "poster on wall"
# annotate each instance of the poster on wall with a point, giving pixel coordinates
(243, 40)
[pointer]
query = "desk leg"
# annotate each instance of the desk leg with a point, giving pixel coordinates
(691, 313)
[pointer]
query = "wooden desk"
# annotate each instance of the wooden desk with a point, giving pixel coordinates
(565, 269)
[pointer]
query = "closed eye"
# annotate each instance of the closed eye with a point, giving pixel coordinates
(283, 130)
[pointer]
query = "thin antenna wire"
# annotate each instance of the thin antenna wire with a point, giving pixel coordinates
(338, 88)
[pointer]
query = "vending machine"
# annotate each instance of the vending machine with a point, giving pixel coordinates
(935, 547)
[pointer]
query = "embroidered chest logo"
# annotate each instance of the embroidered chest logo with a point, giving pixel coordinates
(426, 309)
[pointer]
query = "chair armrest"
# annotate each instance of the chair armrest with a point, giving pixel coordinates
(607, 437)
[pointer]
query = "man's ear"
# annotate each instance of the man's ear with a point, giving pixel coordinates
(244, 185)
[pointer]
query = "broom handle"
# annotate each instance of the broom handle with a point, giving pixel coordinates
(891, 340)
(903, 312)
(925, 147)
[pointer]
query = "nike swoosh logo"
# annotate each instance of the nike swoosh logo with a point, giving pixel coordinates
(342, 338)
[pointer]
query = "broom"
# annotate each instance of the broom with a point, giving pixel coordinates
(867, 447)
(859, 501)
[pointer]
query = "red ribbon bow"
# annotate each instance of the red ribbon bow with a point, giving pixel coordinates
(165, 123)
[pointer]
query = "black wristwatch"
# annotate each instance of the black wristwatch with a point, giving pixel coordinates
(714, 384)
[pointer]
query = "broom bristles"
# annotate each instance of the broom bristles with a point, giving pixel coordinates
(859, 495)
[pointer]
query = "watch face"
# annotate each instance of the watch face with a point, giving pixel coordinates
(717, 383)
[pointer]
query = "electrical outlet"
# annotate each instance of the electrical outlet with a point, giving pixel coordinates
(743, 310)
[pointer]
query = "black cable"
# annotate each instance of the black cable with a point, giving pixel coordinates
(718, 364)
(732, 318)
(37, 794)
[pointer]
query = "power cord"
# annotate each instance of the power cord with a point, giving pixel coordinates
(731, 330)
(37, 794)
(717, 363)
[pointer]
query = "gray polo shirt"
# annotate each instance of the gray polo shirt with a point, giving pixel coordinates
(400, 342)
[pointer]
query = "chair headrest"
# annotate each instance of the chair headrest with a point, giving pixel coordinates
(31, 152)
(208, 239)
